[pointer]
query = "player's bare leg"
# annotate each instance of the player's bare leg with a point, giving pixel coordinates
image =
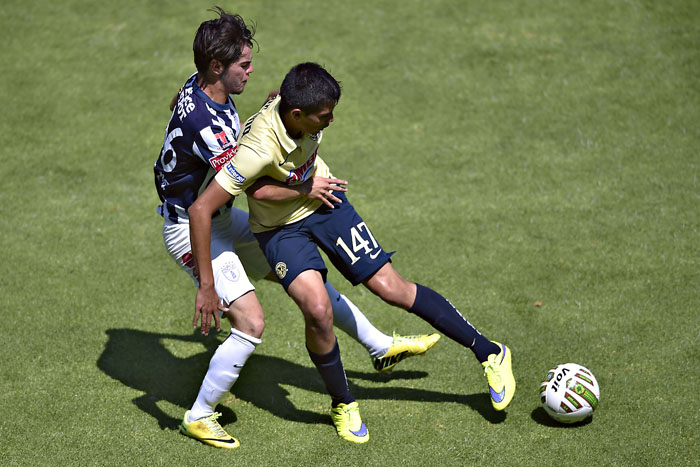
(391, 287)
(246, 315)
(385, 351)
(424, 302)
(349, 318)
(247, 319)
(429, 305)
(309, 293)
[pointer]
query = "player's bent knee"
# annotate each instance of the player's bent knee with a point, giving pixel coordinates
(256, 326)
(319, 329)
(318, 312)
(253, 326)
(247, 315)
(318, 318)
(393, 289)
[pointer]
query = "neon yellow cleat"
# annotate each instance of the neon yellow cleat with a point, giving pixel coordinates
(404, 347)
(208, 431)
(348, 424)
(499, 374)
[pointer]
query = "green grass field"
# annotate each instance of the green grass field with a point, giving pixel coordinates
(511, 152)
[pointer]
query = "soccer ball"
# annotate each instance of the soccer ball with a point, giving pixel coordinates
(569, 393)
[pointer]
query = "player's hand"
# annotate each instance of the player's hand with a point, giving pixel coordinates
(207, 305)
(322, 188)
(272, 95)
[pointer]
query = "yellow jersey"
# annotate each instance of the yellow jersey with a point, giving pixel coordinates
(265, 149)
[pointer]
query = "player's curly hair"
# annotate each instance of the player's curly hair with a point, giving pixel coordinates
(308, 86)
(221, 39)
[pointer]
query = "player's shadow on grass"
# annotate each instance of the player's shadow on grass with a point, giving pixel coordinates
(141, 361)
(262, 379)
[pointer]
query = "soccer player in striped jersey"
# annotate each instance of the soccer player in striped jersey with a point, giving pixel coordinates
(279, 146)
(200, 139)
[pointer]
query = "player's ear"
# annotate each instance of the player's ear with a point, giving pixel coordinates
(296, 113)
(216, 67)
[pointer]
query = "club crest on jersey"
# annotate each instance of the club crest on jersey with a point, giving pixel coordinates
(222, 139)
(281, 270)
(300, 174)
(220, 161)
(230, 272)
(237, 177)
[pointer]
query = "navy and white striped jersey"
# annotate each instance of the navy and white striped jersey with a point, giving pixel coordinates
(199, 140)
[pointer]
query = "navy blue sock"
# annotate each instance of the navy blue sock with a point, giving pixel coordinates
(443, 316)
(333, 374)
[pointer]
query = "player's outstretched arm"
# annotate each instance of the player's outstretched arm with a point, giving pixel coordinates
(207, 302)
(321, 188)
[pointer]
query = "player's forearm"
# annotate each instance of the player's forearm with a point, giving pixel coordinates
(201, 212)
(200, 240)
(268, 189)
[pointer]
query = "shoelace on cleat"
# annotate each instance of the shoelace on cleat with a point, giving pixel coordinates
(400, 339)
(214, 426)
(351, 416)
(490, 371)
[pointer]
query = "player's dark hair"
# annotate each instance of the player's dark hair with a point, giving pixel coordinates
(308, 87)
(221, 39)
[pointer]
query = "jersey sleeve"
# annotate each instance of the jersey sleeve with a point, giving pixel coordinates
(241, 171)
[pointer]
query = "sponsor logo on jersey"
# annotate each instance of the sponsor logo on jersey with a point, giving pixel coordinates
(220, 161)
(185, 104)
(300, 174)
(237, 177)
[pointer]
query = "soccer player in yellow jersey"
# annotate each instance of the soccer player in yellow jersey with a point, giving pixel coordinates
(201, 137)
(297, 206)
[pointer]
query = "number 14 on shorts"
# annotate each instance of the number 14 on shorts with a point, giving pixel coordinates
(360, 244)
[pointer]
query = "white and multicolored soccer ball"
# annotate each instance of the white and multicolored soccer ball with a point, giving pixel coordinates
(569, 393)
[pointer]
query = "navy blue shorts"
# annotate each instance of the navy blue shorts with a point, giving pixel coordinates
(341, 234)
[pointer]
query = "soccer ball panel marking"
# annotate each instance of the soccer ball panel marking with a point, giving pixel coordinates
(569, 393)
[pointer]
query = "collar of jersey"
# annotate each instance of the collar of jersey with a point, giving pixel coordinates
(287, 143)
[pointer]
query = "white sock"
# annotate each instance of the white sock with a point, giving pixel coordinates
(349, 318)
(224, 367)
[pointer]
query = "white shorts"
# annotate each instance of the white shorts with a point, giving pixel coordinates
(234, 251)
